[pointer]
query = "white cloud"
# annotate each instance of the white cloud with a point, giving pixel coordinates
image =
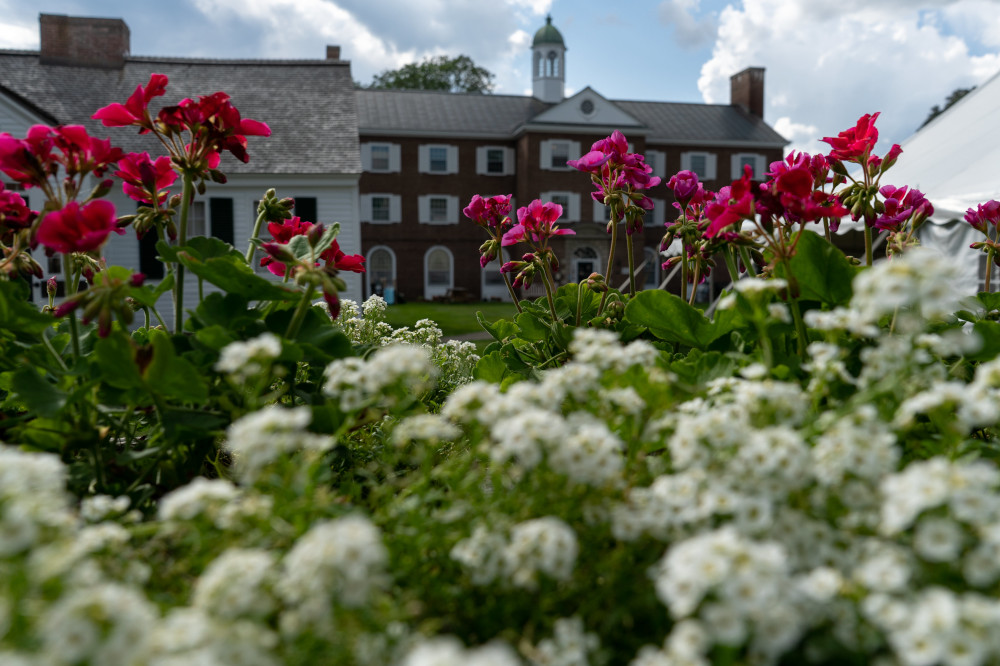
(690, 31)
(376, 36)
(829, 63)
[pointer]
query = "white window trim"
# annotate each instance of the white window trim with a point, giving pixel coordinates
(482, 161)
(424, 159)
(711, 160)
(658, 160)
(394, 157)
(571, 212)
(600, 215)
(759, 167)
(545, 154)
(656, 217)
(395, 209)
(424, 209)
(368, 276)
(438, 290)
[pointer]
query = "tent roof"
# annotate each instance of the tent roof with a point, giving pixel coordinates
(955, 159)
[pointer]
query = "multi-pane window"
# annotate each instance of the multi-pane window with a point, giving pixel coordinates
(439, 209)
(380, 157)
(494, 160)
(438, 267)
(748, 161)
(196, 219)
(380, 209)
(560, 154)
(699, 164)
(562, 200)
(438, 159)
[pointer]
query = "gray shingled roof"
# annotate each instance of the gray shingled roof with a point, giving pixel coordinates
(309, 104)
(468, 114)
(408, 111)
(674, 122)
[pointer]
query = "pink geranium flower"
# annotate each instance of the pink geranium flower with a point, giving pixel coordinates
(78, 228)
(536, 222)
(984, 214)
(135, 111)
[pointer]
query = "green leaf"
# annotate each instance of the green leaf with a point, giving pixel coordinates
(501, 329)
(116, 362)
(532, 327)
(989, 333)
(228, 311)
(669, 318)
(37, 393)
(490, 368)
(300, 248)
(989, 300)
(214, 337)
(317, 335)
(700, 368)
(170, 375)
(230, 272)
(822, 271)
(148, 296)
(18, 314)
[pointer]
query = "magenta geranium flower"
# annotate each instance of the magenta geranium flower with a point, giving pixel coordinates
(536, 223)
(145, 178)
(856, 142)
(285, 231)
(491, 212)
(14, 212)
(732, 205)
(135, 111)
(984, 214)
(78, 228)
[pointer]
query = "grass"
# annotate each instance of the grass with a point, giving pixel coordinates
(452, 318)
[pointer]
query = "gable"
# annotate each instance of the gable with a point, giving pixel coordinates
(587, 107)
(16, 118)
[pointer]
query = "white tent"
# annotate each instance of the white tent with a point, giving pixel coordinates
(955, 161)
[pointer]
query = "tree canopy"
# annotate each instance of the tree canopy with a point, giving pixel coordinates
(955, 95)
(459, 74)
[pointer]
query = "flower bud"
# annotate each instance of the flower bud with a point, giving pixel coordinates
(52, 286)
(278, 252)
(314, 234)
(137, 279)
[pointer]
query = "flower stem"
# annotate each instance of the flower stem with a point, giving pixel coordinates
(547, 280)
(256, 230)
(694, 282)
(611, 259)
(186, 195)
(868, 245)
(70, 292)
(579, 301)
(510, 290)
(734, 272)
(300, 313)
(684, 277)
(631, 265)
(748, 261)
(989, 270)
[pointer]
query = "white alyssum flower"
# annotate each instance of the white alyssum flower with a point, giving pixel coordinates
(449, 651)
(603, 350)
(524, 436)
(261, 437)
(570, 645)
(98, 507)
(245, 359)
(481, 554)
(591, 454)
(344, 557)
(938, 539)
(237, 584)
(62, 558)
(543, 545)
(967, 408)
(426, 428)
(200, 496)
(33, 499)
(190, 636)
(858, 444)
(390, 374)
(104, 624)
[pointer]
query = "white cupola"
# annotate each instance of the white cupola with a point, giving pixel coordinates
(548, 72)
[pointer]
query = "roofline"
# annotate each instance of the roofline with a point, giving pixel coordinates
(505, 136)
(567, 128)
(715, 143)
(194, 61)
(27, 104)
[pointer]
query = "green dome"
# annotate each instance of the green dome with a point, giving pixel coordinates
(547, 34)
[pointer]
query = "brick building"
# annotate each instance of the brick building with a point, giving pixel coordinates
(425, 154)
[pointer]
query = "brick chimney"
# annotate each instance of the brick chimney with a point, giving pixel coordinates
(332, 52)
(82, 41)
(746, 89)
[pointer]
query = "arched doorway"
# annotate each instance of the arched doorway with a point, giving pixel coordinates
(380, 270)
(439, 274)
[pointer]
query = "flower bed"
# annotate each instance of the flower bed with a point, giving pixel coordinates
(807, 476)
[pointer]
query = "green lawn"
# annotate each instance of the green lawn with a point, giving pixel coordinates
(453, 318)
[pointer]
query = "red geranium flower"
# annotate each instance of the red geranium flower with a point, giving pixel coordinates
(854, 143)
(145, 178)
(78, 228)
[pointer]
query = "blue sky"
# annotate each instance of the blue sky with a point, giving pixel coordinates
(826, 63)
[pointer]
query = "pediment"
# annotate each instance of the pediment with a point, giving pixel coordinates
(587, 107)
